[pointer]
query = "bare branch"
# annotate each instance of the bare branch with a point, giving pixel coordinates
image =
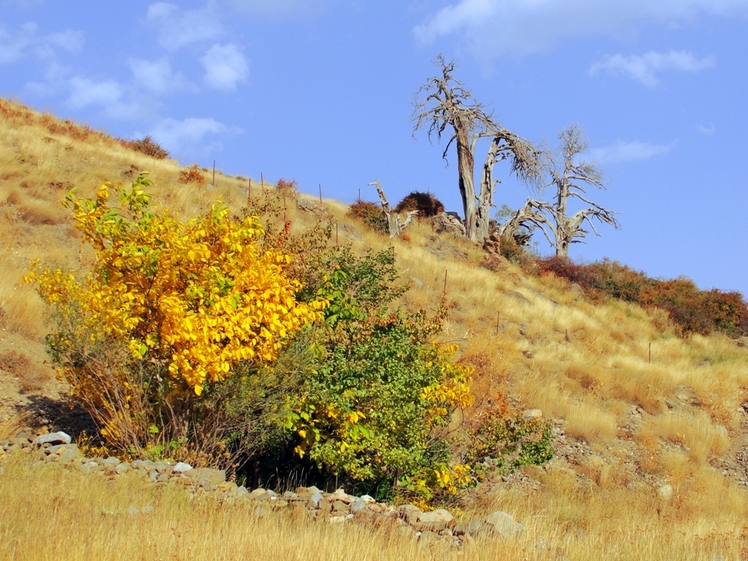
(393, 219)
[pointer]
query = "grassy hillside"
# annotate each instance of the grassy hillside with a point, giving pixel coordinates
(634, 406)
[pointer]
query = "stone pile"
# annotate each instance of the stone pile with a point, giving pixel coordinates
(335, 508)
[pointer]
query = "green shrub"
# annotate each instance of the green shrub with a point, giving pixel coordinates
(507, 440)
(370, 409)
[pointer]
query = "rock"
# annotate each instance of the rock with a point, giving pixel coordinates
(310, 205)
(89, 467)
(357, 505)
(214, 476)
(494, 263)
(530, 414)
(315, 499)
(410, 513)
(110, 462)
(742, 342)
(241, 492)
(53, 438)
(448, 223)
(434, 521)
(503, 525)
(337, 520)
(341, 495)
(471, 528)
(339, 507)
(181, 467)
(665, 492)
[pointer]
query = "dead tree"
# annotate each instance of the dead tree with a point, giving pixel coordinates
(570, 179)
(394, 225)
(449, 106)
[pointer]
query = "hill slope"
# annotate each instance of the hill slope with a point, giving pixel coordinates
(634, 406)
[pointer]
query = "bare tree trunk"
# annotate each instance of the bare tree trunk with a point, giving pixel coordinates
(394, 225)
(465, 167)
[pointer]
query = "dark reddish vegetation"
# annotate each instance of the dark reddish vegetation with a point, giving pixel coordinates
(425, 203)
(370, 214)
(691, 309)
(147, 146)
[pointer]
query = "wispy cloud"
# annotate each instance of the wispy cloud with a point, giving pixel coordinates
(708, 131)
(628, 152)
(225, 66)
(190, 137)
(491, 28)
(645, 68)
(157, 76)
(26, 40)
(179, 28)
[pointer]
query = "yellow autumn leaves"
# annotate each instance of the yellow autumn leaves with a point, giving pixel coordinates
(200, 295)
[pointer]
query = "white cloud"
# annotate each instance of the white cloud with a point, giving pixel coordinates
(177, 28)
(84, 92)
(109, 96)
(644, 68)
(13, 47)
(225, 66)
(188, 136)
(628, 152)
(157, 76)
(708, 131)
(491, 28)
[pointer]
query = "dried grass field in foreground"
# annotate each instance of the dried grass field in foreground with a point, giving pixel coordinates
(625, 424)
(50, 512)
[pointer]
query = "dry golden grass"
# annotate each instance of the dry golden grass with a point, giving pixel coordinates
(531, 339)
(92, 517)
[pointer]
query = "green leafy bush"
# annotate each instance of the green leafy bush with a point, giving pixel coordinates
(507, 440)
(370, 409)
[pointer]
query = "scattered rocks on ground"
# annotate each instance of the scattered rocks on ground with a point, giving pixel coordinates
(428, 527)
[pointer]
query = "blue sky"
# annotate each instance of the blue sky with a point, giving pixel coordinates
(321, 91)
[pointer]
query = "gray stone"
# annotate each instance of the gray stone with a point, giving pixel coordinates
(434, 521)
(53, 438)
(530, 414)
(241, 492)
(357, 505)
(502, 524)
(214, 476)
(410, 513)
(665, 492)
(471, 528)
(110, 462)
(181, 467)
(309, 205)
(449, 223)
(315, 499)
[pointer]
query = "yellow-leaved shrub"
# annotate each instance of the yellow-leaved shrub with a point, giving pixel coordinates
(170, 308)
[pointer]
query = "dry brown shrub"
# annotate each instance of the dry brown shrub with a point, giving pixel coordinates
(19, 365)
(192, 175)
